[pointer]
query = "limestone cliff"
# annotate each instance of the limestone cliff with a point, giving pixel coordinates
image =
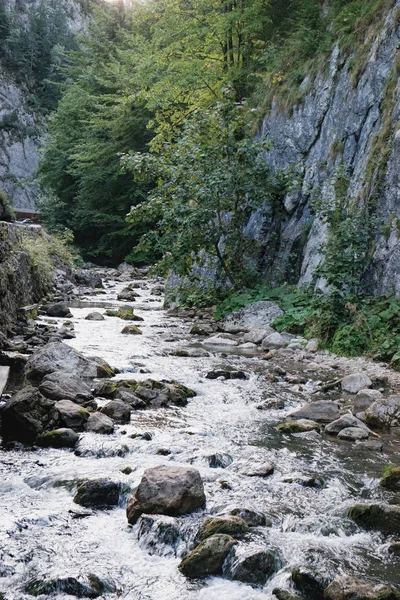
(340, 124)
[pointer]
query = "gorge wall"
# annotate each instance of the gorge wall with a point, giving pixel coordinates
(21, 122)
(341, 124)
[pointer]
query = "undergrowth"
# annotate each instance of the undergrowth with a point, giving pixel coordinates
(346, 325)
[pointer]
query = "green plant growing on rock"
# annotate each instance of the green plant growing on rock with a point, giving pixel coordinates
(7, 212)
(208, 183)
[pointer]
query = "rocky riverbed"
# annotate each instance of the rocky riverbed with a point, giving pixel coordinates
(250, 463)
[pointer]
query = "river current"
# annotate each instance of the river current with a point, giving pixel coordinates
(43, 534)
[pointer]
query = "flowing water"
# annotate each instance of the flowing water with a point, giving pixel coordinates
(41, 536)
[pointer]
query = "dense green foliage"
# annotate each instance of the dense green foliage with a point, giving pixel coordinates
(209, 182)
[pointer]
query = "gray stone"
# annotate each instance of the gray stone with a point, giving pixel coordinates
(344, 422)
(167, 490)
(58, 438)
(364, 399)
(312, 346)
(159, 534)
(256, 336)
(71, 415)
(57, 356)
(391, 481)
(118, 411)
(382, 517)
(253, 518)
(355, 382)
(27, 415)
(229, 524)
(218, 340)
(384, 413)
(322, 411)
(98, 493)
(253, 566)
(298, 426)
(94, 316)
(274, 340)
(58, 309)
(208, 558)
(99, 423)
(353, 434)
(62, 386)
(348, 588)
(254, 316)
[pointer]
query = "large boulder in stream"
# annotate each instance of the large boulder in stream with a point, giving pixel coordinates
(344, 422)
(384, 413)
(117, 410)
(64, 386)
(100, 423)
(250, 565)
(229, 524)
(381, 517)
(57, 356)
(58, 438)
(167, 490)
(71, 415)
(348, 588)
(27, 415)
(254, 316)
(322, 411)
(57, 309)
(98, 493)
(391, 480)
(207, 558)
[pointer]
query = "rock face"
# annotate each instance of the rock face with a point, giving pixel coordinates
(27, 415)
(382, 517)
(57, 356)
(384, 413)
(167, 490)
(345, 112)
(208, 558)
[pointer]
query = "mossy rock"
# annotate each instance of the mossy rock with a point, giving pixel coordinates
(126, 314)
(381, 517)
(104, 370)
(230, 524)
(391, 481)
(58, 438)
(207, 558)
(298, 426)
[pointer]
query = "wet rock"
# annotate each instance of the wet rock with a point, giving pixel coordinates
(322, 411)
(217, 340)
(159, 534)
(72, 415)
(286, 595)
(99, 423)
(128, 295)
(231, 525)
(394, 548)
(355, 382)
(62, 386)
(252, 566)
(105, 389)
(203, 330)
(384, 413)
(98, 493)
(226, 374)
(94, 316)
(167, 490)
(263, 469)
(256, 336)
(92, 587)
(219, 460)
(58, 309)
(369, 445)
(26, 415)
(348, 588)
(127, 395)
(57, 356)
(253, 518)
(257, 315)
(364, 399)
(353, 434)
(58, 438)
(274, 340)
(190, 352)
(298, 426)
(309, 583)
(89, 278)
(126, 314)
(381, 517)
(131, 330)
(208, 558)
(272, 404)
(157, 393)
(344, 422)
(118, 411)
(391, 481)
